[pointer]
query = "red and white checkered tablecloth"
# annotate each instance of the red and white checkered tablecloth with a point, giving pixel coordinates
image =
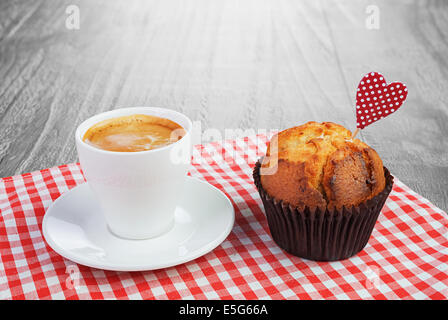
(406, 257)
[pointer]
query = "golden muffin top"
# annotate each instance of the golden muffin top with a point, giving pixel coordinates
(319, 164)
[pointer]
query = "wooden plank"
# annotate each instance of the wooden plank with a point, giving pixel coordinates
(408, 47)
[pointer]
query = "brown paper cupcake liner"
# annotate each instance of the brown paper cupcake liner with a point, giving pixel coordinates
(322, 235)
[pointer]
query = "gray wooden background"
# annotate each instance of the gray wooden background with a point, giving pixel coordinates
(228, 63)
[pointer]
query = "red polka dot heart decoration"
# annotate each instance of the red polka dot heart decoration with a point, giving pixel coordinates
(375, 99)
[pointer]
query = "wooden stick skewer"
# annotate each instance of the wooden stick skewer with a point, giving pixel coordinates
(355, 133)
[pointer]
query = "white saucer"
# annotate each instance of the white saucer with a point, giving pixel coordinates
(75, 228)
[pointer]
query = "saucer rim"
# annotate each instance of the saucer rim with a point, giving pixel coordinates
(207, 248)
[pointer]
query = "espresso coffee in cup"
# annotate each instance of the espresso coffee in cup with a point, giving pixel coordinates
(135, 161)
(133, 133)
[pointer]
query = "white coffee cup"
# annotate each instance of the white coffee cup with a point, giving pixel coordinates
(137, 191)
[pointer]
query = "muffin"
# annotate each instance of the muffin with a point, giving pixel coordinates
(322, 190)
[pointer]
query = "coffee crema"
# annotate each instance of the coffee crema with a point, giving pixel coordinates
(133, 133)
